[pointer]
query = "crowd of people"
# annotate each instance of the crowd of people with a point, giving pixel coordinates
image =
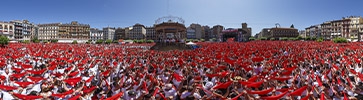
(256, 70)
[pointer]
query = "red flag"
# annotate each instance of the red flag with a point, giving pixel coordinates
(350, 84)
(253, 79)
(75, 97)
(73, 81)
(73, 74)
(23, 84)
(37, 72)
(223, 85)
(275, 97)
(177, 77)
(262, 92)
(345, 97)
(319, 81)
(299, 91)
(36, 79)
(322, 96)
(255, 84)
(281, 78)
(155, 92)
(7, 88)
(26, 97)
(61, 95)
(88, 90)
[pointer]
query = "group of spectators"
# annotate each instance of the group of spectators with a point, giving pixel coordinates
(258, 70)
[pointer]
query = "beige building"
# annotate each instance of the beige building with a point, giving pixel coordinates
(150, 33)
(7, 29)
(74, 30)
(136, 32)
(49, 31)
(198, 30)
(217, 32)
(120, 33)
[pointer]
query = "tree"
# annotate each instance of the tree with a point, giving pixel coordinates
(74, 42)
(100, 41)
(4, 40)
(108, 41)
(35, 40)
(54, 41)
(340, 40)
(252, 38)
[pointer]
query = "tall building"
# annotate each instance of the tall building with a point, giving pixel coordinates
(191, 33)
(7, 29)
(48, 31)
(109, 33)
(278, 32)
(24, 30)
(198, 31)
(207, 32)
(246, 32)
(217, 32)
(347, 27)
(120, 33)
(151, 33)
(96, 34)
(136, 32)
(74, 30)
(313, 31)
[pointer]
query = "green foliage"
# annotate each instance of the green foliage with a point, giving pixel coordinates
(340, 40)
(25, 41)
(195, 40)
(252, 38)
(262, 38)
(213, 39)
(272, 39)
(293, 39)
(320, 40)
(108, 41)
(202, 40)
(54, 41)
(4, 40)
(74, 42)
(100, 41)
(88, 42)
(45, 41)
(300, 38)
(313, 38)
(284, 38)
(149, 41)
(115, 41)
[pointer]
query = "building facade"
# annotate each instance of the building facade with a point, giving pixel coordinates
(23, 30)
(120, 33)
(150, 33)
(7, 29)
(136, 32)
(313, 31)
(74, 30)
(96, 34)
(198, 31)
(207, 32)
(48, 31)
(191, 33)
(217, 32)
(278, 32)
(109, 33)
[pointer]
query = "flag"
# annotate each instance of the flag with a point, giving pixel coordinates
(75, 97)
(299, 91)
(23, 84)
(26, 97)
(177, 77)
(275, 97)
(319, 81)
(322, 96)
(262, 92)
(7, 88)
(223, 85)
(255, 84)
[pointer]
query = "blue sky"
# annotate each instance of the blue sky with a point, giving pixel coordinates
(229, 13)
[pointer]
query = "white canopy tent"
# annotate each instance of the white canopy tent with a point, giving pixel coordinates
(190, 43)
